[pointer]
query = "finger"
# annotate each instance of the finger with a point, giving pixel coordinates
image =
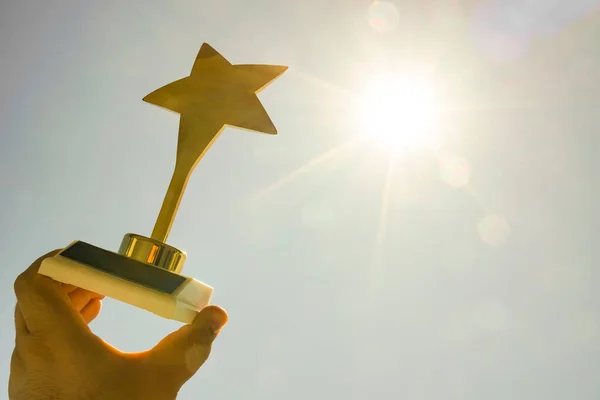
(21, 331)
(17, 366)
(43, 302)
(20, 325)
(80, 298)
(183, 352)
(18, 375)
(91, 310)
(69, 288)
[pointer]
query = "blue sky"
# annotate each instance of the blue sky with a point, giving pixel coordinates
(480, 283)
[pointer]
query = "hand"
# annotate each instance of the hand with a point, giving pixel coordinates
(57, 356)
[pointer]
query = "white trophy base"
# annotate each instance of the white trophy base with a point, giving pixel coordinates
(182, 305)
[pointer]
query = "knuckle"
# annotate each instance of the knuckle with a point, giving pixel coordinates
(26, 279)
(21, 283)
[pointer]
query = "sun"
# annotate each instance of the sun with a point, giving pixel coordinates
(400, 113)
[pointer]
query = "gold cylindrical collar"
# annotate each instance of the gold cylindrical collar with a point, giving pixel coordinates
(152, 252)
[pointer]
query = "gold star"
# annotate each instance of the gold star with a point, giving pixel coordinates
(216, 94)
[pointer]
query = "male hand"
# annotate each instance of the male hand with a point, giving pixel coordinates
(57, 356)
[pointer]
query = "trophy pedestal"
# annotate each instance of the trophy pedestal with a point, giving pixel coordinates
(125, 278)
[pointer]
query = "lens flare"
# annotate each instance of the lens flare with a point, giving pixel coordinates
(383, 16)
(455, 171)
(494, 230)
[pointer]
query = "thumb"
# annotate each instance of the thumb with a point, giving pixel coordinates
(181, 353)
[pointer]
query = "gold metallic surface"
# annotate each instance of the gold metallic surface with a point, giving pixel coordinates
(152, 252)
(215, 94)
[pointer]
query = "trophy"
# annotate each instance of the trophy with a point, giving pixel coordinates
(146, 272)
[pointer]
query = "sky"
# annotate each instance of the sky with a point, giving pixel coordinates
(350, 270)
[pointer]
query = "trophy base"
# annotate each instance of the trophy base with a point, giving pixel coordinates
(145, 286)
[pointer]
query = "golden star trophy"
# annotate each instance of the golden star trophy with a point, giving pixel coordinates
(146, 272)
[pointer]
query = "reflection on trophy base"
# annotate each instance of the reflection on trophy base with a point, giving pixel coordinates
(151, 288)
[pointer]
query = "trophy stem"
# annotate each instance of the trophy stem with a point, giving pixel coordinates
(163, 224)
